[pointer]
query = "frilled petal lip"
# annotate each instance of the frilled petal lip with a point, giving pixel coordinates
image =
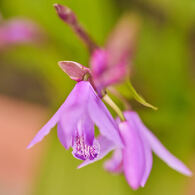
(159, 149)
(105, 147)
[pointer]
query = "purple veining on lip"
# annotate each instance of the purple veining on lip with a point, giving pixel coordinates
(83, 151)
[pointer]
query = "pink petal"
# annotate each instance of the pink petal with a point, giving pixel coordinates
(162, 152)
(71, 100)
(75, 113)
(122, 41)
(130, 116)
(86, 127)
(133, 154)
(103, 119)
(98, 62)
(148, 161)
(67, 124)
(115, 164)
(45, 130)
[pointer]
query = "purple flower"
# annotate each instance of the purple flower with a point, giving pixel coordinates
(112, 64)
(106, 73)
(135, 159)
(17, 31)
(75, 121)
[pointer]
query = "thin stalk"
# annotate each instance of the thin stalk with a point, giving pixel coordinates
(120, 97)
(112, 104)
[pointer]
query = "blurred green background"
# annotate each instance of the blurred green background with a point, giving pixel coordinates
(164, 73)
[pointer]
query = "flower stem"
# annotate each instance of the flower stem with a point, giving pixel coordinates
(112, 104)
(69, 17)
(120, 97)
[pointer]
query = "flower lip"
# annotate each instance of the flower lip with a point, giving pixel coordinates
(83, 151)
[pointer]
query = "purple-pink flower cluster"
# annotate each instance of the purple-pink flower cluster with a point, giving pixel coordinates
(131, 142)
(17, 31)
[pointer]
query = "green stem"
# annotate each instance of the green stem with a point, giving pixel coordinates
(112, 104)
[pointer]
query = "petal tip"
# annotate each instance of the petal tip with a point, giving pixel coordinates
(135, 186)
(29, 146)
(80, 166)
(142, 184)
(187, 172)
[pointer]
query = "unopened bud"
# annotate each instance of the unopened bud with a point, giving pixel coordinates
(74, 70)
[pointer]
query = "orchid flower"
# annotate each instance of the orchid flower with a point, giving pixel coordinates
(16, 31)
(75, 121)
(131, 141)
(135, 159)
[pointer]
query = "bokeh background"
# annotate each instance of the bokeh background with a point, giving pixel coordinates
(32, 87)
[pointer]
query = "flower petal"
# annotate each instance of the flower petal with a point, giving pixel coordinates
(132, 116)
(121, 43)
(68, 124)
(45, 130)
(148, 161)
(86, 128)
(103, 119)
(133, 154)
(105, 147)
(75, 119)
(72, 100)
(163, 153)
(74, 113)
(115, 164)
(98, 62)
